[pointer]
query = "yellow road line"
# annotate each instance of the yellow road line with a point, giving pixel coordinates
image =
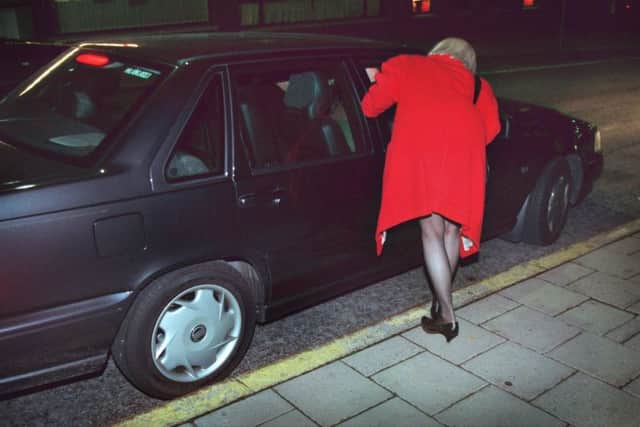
(218, 395)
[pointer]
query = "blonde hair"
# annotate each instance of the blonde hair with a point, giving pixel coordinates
(459, 49)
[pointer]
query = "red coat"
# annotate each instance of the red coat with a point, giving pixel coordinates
(435, 162)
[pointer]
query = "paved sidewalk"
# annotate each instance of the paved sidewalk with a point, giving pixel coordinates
(561, 348)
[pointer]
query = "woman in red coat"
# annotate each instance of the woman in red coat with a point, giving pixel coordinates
(435, 163)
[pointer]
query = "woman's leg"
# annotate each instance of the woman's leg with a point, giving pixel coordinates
(438, 263)
(451, 245)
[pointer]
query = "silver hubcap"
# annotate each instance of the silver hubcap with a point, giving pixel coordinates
(558, 203)
(196, 333)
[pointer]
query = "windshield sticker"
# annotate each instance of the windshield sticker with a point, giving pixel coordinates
(138, 72)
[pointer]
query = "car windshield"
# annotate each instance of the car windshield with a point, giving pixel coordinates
(70, 108)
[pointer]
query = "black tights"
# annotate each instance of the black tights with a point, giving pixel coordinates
(440, 242)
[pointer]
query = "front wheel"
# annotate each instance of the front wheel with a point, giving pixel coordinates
(548, 204)
(187, 329)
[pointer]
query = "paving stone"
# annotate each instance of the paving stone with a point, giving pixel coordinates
(492, 407)
(382, 355)
(634, 344)
(290, 419)
(626, 331)
(606, 288)
(596, 317)
(532, 329)
(610, 262)
(251, 411)
(518, 370)
(627, 246)
(485, 309)
(600, 357)
(395, 412)
(636, 278)
(332, 393)
(538, 294)
(471, 341)
(586, 402)
(565, 274)
(635, 308)
(634, 388)
(428, 382)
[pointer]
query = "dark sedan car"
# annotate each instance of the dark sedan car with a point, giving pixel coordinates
(160, 196)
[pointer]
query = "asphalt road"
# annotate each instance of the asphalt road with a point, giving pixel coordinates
(605, 92)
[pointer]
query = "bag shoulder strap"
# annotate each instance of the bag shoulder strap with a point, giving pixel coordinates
(477, 87)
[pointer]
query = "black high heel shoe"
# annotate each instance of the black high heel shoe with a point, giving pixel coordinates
(435, 326)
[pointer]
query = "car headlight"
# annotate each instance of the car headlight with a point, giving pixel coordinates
(597, 142)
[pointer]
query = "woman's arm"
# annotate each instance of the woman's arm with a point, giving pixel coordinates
(384, 92)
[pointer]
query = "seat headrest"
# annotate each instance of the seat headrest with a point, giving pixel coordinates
(308, 91)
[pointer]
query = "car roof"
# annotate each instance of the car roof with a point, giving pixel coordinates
(178, 48)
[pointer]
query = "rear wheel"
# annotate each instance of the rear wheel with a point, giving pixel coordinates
(548, 204)
(187, 329)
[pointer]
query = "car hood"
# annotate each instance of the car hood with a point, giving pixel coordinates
(514, 107)
(532, 113)
(20, 170)
(529, 116)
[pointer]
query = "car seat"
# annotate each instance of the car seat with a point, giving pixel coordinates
(313, 134)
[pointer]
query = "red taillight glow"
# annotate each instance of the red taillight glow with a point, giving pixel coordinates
(92, 59)
(528, 3)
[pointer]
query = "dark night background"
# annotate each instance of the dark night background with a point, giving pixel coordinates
(407, 20)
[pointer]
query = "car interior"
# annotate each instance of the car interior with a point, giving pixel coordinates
(293, 125)
(200, 149)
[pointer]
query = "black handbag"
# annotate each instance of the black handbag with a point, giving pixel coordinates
(476, 88)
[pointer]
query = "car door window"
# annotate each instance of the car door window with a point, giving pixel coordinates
(295, 113)
(367, 68)
(200, 148)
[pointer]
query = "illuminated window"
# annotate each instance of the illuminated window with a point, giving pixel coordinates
(421, 6)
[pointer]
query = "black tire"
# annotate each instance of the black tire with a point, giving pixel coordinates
(548, 204)
(195, 308)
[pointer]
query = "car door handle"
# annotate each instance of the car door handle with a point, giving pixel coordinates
(278, 197)
(248, 200)
(275, 198)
